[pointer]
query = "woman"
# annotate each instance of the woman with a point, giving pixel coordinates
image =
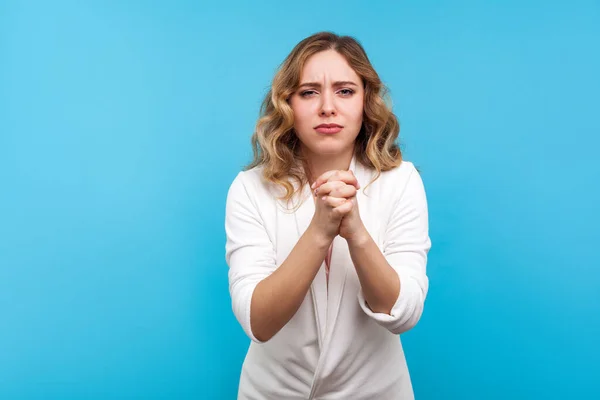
(322, 289)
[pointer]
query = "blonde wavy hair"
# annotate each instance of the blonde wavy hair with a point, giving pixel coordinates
(274, 142)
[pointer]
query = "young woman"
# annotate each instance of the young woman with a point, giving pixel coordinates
(327, 234)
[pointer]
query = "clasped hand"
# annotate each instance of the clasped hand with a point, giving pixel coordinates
(336, 208)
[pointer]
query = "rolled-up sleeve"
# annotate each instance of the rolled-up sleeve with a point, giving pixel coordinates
(248, 251)
(406, 246)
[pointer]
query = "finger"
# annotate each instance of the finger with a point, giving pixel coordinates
(327, 187)
(356, 179)
(343, 209)
(322, 179)
(333, 202)
(346, 191)
(347, 177)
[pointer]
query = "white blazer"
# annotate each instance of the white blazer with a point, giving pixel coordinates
(334, 347)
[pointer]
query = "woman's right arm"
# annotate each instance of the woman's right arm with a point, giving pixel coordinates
(277, 297)
(265, 297)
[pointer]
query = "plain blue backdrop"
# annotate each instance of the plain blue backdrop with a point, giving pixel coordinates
(122, 125)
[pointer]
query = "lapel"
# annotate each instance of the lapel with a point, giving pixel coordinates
(340, 262)
(318, 288)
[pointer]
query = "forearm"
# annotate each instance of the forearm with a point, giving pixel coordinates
(379, 281)
(277, 298)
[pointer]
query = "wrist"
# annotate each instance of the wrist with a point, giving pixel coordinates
(359, 239)
(320, 240)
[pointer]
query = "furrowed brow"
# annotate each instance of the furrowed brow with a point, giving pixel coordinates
(317, 85)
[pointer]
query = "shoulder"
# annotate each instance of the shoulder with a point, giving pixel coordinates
(401, 173)
(248, 177)
(250, 184)
(397, 181)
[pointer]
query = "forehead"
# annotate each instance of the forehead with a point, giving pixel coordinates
(328, 65)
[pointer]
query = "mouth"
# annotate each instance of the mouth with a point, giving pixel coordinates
(328, 128)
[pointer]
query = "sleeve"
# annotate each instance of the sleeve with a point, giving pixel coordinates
(248, 251)
(405, 247)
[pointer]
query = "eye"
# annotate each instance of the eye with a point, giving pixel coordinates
(307, 93)
(346, 92)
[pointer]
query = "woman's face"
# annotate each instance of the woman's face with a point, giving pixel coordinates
(328, 105)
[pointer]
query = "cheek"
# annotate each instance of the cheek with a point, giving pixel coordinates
(357, 111)
(302, 114)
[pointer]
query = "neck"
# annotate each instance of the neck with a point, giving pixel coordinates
(319, 164)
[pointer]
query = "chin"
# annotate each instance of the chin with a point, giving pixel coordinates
(332, 149)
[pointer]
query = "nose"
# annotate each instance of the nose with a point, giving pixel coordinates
(327, 105)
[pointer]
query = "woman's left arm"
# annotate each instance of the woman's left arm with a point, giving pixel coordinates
(379, 281)
(393, 280)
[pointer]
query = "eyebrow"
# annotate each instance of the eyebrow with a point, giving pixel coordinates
(318, 85)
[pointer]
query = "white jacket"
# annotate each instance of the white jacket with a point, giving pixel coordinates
(334, 347)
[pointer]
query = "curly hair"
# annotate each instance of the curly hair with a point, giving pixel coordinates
(274, 142)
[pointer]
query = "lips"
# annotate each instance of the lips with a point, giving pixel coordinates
(328, 129)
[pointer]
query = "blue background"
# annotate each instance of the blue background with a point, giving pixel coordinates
(122, 125)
